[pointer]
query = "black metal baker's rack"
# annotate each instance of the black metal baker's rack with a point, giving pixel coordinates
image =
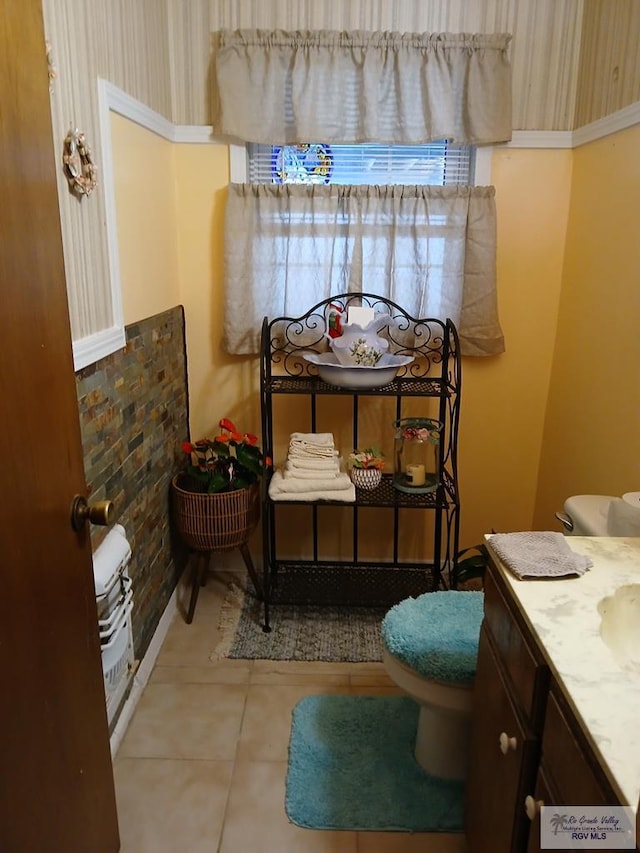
(434, 373)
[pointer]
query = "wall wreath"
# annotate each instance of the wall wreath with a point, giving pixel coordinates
(79, 168)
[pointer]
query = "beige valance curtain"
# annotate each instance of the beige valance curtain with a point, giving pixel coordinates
(290, 87)
(430, 249)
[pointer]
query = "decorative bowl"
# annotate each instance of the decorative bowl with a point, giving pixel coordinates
(357, 377)
(366, 478)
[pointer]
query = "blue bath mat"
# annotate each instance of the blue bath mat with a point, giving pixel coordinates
(351, 766)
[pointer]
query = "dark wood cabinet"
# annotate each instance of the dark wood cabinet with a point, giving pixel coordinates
(528, 749)
(511, 681)
(503, 758)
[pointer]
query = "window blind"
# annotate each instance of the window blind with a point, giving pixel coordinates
(436, 163)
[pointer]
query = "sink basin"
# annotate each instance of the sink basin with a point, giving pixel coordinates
(620, 625)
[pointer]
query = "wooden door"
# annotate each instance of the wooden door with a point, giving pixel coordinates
(56, 781)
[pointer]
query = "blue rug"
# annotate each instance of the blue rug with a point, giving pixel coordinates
(351, 766)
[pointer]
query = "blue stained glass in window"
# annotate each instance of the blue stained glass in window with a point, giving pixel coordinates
(310, 163)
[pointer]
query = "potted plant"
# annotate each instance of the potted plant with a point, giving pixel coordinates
(216, 497)
(366, 467)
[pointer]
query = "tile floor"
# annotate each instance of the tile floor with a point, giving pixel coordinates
(203, 763)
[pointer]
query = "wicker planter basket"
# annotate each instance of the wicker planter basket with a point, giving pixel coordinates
(218, 522)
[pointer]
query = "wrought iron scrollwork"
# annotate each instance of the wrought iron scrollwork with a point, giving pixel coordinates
(428, 340)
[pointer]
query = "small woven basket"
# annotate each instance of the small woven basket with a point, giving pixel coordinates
(217, 522)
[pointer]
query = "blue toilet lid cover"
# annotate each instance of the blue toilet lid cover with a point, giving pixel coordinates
(436, 634)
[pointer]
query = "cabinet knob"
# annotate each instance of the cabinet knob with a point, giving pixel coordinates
(532, 807)
(507, 743)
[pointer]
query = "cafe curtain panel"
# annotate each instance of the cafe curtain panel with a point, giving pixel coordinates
(430, 249)
(291, 87)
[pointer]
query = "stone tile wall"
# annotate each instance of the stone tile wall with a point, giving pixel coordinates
(134, 417)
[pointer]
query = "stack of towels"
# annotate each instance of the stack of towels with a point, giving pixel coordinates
(312, 471)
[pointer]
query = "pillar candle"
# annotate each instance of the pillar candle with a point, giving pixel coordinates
(416, 475)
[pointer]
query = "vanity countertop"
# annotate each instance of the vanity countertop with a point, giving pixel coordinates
(563, 616)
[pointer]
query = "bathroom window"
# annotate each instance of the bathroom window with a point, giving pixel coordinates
(436, 164)
(404, 222)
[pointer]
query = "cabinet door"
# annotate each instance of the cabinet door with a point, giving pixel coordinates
(542, 796)
(503, 754)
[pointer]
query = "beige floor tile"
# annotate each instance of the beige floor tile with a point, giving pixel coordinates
(186, 721)
(375, 690)
(295, 672)
(222, 672)
(196, 644)
(369, 669)
(266, 727)
(407, 842)
(375, 675)
(167, 806)
(256, 818)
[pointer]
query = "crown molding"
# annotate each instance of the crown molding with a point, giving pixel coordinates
(540, 139)
(620, 120)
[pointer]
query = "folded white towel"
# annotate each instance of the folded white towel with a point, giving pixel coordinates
(322, 439)
(304, 464)
(319, 484)
(313, 445)
(346, 495)
(315, 474)
(532, 554)
(311, 451)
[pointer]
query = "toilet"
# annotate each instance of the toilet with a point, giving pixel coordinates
(430, 650)
(585, 515)
(601, 515)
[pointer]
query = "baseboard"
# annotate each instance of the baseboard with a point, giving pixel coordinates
(142, 673)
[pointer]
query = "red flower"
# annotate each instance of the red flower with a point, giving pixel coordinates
(232, 460)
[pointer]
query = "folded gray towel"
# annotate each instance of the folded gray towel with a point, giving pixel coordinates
(533, 554)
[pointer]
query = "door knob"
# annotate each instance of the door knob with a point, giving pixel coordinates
(100, 512)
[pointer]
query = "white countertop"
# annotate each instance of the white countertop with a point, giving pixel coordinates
(563, 615)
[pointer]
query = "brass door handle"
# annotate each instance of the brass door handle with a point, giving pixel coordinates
(101, 512)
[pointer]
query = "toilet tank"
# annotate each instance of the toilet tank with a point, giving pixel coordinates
(585, 515)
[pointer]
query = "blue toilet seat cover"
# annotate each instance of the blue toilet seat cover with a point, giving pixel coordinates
(436, 634)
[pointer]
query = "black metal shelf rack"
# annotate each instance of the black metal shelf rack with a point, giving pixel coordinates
(434, 373)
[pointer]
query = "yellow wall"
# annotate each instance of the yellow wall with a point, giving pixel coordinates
(591, 440)
(144, 183)
(219, 385)
(555, 415)
(504, 397)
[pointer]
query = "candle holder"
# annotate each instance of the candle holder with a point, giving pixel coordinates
(416, 468)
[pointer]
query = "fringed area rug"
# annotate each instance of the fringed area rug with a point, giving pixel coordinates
(299, 632)
(351, 766)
